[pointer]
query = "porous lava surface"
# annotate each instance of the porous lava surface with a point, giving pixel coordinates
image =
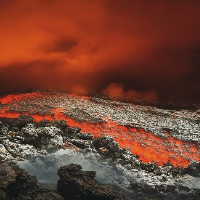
(154, 135)
(16, 183)
(157, 150)
(75, 184)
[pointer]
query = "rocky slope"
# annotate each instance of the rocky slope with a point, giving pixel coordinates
(143, 151)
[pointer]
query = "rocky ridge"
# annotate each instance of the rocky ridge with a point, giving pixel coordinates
(28, 140)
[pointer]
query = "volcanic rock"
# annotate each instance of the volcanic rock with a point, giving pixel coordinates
(108, 148)
(193, 168)
(159, 133)
(18, 123)
(69, 145)
(197, 196)
(48, 138)
(107, 144)
(85, 136)
(48, 195)
(14, 151)
(16, 183)
(75, 184)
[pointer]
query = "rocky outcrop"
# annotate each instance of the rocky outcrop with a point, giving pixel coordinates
(107, 146)
(43, 137)
(16, 183)
(197, 196)
(75, 184)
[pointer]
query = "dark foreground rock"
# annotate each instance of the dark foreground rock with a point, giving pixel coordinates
(48, 195)
(16, 183)
(75, 184)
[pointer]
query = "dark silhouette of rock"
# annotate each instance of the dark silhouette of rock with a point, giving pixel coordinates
(16, 183)
(75, 184)
(197, 195)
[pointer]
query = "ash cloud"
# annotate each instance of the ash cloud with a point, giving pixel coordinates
(150, 49)
(120, 178)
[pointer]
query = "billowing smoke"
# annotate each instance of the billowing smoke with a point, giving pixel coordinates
(48, 166)
(45, 169)
(117, 91)
(134, 49)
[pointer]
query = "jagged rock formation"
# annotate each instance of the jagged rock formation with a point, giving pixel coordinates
(76, 184)
(32, 139)
(16, 183)
(153, 150)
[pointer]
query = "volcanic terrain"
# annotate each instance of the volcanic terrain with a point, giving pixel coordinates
(143, 151)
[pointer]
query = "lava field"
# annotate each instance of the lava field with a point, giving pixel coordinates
(143, 151)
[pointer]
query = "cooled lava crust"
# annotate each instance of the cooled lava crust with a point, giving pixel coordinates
(153, 135)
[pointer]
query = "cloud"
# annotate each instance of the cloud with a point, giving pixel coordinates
(117, 91)
(145, 46)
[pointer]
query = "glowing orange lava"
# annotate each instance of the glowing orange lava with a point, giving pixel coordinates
(5, 113)
(10, 98)
(147, 146)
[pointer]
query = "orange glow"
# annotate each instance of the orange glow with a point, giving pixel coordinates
(5, 113)
(38, 118)
(85, 46)
(148, 147)
(10, 98)
(116, 91)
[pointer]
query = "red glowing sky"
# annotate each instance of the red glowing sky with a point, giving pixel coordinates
(137, 49)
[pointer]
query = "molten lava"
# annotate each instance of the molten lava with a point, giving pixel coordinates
(148, 147)
(10, 98)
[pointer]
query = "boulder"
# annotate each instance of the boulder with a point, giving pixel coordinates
(16, 183)
(75, 184)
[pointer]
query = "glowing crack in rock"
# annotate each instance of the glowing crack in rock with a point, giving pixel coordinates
(132, 126)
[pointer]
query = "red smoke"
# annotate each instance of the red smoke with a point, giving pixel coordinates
(150, 49)
(116, 91)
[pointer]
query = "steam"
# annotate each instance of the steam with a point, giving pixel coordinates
(152, 49)
(45, 168)
(117, 91)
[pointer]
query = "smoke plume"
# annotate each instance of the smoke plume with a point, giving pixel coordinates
(132, 49)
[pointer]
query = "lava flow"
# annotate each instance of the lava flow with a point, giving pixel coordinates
(148, 147)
